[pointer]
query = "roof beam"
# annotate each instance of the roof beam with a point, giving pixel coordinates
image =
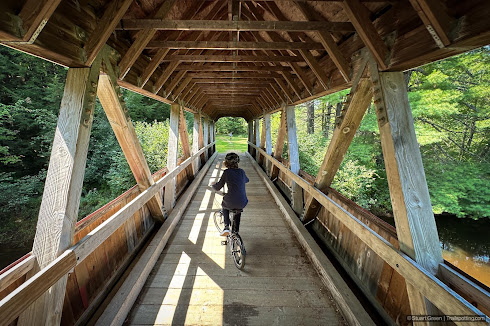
(165, 75)
(142, 39)
(174, 82)
(181, 87)
(35, 14)
(302, 77)
(315, 67)
(359, 16)
(220, 45)
(292, 83)
(238, 26)
(231, 58)
(104, 28)
(284, 89)
(327, 41)
(230, 82)
(308, 57)
(435, 19)
(235, 75)
(152, 66)
(191, 67)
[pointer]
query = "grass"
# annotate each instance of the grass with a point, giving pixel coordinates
(236, 144)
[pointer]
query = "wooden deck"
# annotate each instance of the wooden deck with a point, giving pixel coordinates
(195, 281)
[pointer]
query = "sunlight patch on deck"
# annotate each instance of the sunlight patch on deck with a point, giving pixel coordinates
(212, 245)
(205, 306)
(166, 312)
(196, 228)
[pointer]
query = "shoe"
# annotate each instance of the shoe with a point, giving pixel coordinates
(225, 233)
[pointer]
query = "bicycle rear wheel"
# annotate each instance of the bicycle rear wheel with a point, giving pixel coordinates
(238, 251)
(219, 221)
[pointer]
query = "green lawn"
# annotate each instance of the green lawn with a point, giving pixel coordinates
(236, 144)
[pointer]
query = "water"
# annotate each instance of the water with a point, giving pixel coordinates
(465, 243)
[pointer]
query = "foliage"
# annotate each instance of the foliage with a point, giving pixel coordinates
(354, 181)
(462, 190)
(30, 97)
(235, 125)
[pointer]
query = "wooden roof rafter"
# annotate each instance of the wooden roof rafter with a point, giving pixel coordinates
(254, 36)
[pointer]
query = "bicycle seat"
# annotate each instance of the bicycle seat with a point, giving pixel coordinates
(234, 211)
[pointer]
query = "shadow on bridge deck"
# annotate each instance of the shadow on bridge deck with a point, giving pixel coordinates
(195, 281)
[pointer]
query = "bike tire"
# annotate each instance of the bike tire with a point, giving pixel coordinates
(219, 221)
(238, 251)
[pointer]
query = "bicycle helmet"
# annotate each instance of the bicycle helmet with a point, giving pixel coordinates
(232, 160)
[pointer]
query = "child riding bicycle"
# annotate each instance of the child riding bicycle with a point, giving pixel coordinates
(236, 198)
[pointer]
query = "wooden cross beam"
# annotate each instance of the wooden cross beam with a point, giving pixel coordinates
(231, 58)
(236, 67)
(234, 74)
(222, 45)
(238, 26)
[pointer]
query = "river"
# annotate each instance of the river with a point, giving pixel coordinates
(465, 243)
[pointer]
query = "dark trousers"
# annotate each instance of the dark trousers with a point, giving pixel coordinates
(236, 220)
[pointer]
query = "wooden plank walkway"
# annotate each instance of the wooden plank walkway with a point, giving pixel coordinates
(196, 283)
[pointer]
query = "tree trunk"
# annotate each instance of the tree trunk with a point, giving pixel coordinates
(311, 117)
(338, 111)
(328, 119)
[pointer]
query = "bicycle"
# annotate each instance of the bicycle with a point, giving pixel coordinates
(233, 239)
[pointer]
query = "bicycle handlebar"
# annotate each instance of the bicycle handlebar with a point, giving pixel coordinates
(216, 191)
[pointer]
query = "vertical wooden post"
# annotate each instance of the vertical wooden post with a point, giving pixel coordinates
(201, 139)
(296, 190)
(206, 136)
(281, 138)
(195, 141)
(172, 154)
(250, 137)
(184, 138)
(412, 209)
(211, 137)
(257, 138)
(110, 97)
(268, 139)
(262, 141)
(61, 197)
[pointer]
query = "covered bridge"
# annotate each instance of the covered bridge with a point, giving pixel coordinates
(247, 58)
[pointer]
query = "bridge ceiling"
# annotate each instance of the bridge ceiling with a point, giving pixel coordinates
(243, 58)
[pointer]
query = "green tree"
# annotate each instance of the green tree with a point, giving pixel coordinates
(237, 126)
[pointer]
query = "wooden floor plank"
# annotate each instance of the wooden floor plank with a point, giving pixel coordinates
(195, 282)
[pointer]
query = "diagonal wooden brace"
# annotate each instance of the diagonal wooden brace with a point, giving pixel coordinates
(110, 97)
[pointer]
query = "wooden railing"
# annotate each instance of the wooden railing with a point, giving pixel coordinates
(447, 300)
(105, 243)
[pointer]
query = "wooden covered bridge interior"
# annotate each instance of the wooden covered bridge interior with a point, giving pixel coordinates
(150, 256)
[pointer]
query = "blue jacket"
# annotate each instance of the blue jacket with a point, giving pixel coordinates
(235, 179)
